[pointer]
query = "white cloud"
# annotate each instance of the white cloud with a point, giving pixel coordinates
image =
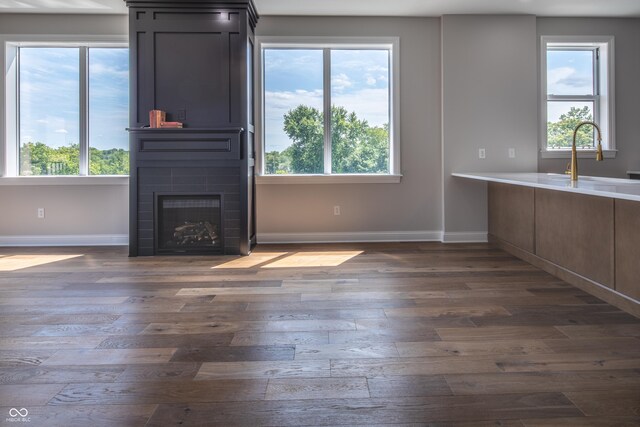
(555, 75)
(108, 71)
(384, 69)
(369, 104)
(371, 81)
(567, 80)
(341, 82)
(288, 60)
(286, 100)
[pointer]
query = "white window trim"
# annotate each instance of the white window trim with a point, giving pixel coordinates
(391, 43)
(607, 94)
(9, 143)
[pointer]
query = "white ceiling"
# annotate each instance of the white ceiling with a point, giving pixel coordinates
(619, 8)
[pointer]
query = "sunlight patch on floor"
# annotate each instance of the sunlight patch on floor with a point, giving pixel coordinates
(314, 259)
(252, 260)
(290, 260)
(18, 262)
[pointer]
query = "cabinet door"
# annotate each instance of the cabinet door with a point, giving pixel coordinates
(628, 248)
(511, 214)
(575, 231)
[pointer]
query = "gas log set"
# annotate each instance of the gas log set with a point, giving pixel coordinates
(194, 234)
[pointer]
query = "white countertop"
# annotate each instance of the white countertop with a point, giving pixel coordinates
(616, 188)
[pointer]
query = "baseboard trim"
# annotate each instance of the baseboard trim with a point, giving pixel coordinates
(465, 237)
(351, 237)
(263, 238)
(66, 240)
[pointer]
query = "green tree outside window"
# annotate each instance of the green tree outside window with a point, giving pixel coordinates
(356, 146)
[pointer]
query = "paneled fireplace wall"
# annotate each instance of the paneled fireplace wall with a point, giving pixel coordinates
(192, 59)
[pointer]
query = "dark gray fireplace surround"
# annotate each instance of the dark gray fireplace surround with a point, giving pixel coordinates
(192, 59)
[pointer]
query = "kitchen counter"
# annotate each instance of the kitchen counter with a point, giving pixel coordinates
(614, 188)
(586, 232)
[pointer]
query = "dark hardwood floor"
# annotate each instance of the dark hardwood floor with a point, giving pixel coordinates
(357, 334)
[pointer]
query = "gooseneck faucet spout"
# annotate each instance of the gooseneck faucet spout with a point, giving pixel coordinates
(574, 154)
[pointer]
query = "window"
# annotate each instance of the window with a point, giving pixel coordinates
(329, 108)
(72, 104)
(577, 86)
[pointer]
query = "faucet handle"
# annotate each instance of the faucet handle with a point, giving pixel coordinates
(567, 171)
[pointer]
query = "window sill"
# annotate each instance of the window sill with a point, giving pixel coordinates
(327, 179)
(64, 180)
(582, 154)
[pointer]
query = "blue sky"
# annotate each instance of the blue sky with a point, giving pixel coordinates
(49, 96)
(359, 82)
(568, 73)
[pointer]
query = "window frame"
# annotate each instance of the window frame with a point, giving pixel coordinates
(603, 97)
(10, 115)
(392, 44)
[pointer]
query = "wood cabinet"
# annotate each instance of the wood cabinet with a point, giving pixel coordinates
(590, 241)
(511, 214)
(576, 231)
(627, 249)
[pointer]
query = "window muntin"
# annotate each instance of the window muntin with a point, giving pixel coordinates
(576, 88)
(73, 109)
(356, 137)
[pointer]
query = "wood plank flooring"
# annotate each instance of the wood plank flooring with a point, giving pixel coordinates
(295, 335)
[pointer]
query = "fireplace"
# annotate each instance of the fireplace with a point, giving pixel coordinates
(188, 223)
(192, 189)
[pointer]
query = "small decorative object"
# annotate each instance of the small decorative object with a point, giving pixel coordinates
(171, 124)
(156, 117)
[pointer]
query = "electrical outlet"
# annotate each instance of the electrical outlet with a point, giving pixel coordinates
(482, 153)
(512, 153)
(182, 115)
(336, 210)
(40, 213)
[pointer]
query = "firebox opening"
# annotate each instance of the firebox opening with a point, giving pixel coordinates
(189, 223)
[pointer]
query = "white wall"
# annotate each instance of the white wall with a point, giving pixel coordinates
(466, 82)
(376, 211)
(81, 213)
(488, 101)
(626, 34)
(84, 214)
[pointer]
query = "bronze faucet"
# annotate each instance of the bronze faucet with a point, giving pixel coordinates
(573, 166)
